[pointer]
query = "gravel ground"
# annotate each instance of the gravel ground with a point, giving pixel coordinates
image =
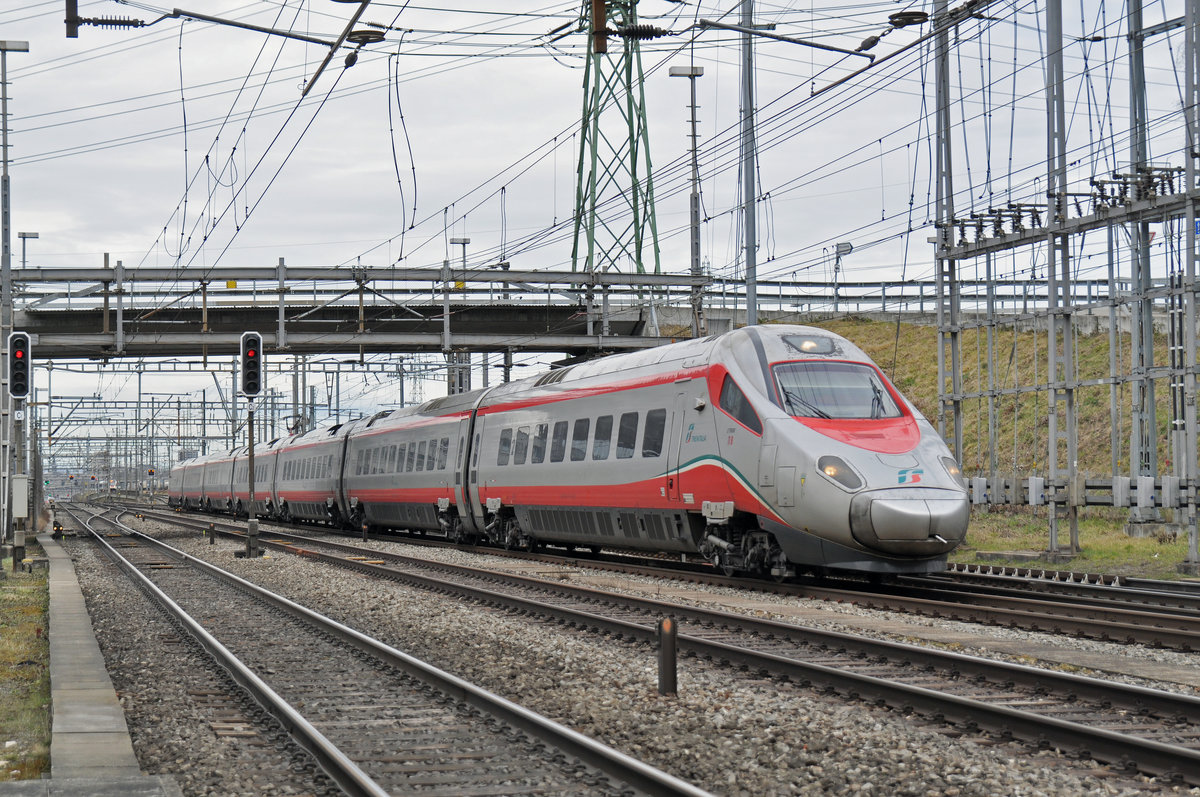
(725, 732)
(158, 676)
(717, 598)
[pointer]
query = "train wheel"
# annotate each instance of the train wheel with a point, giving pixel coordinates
(778, 566)
(722, 562)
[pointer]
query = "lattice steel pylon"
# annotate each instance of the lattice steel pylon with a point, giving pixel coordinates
(614, 196)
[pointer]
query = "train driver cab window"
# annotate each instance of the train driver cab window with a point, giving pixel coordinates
(656, 425)
(558, 443)
(505, 447)
(734, 402)
(834, 390)
(579, 438)
(627, 435)
(603, 440)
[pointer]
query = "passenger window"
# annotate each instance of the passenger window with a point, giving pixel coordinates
(627, 435)
(538, 454)
(579, 439)
(603, 437)
(412, 455)
(505, 447)
(391, 464)
(522, 447)
(475, 453)
(656, 425)
(734, 401)
(459, 456)
(432, 461)
(558, 443)
(421, 456)
(358, 464)
(443, 451)
(400, 457)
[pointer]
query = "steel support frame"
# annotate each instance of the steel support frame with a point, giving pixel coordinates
(1186, 465)
(948, 353)
(614, 195)
(1147, 204)
(1060, 372)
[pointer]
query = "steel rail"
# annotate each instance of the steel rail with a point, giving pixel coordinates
(1077, 577)
(332, 761)
(1128, 751)
(637, 774)
(1123, 625)
(1101, 596)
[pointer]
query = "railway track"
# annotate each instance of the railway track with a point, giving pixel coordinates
(1131, 727)
(375, 720)
(1179, 596)
(1120, 614)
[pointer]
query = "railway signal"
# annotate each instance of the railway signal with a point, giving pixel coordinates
(251, 363)
(18, 364)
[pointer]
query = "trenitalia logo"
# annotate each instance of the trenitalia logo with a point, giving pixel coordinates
(909, 475)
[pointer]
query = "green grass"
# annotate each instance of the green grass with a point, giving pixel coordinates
(24, 673)
(1105, 548)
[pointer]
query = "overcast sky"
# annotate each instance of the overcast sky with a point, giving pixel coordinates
(186, 143)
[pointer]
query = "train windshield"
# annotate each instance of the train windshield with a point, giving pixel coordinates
(834, 390)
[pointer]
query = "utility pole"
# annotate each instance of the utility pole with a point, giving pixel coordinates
(6, 308)
(749, 165)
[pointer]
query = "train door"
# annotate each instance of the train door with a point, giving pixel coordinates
(462, 472)
(472, 470)
(674, 444)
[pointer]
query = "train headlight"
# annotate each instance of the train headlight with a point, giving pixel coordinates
(839, 471)
(955, 472)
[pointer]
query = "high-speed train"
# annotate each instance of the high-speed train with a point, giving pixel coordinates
(769, 450)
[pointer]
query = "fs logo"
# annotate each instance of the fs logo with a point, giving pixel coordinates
(908, 475)
(691, 428)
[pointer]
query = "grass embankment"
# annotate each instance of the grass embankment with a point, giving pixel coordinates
(908, 354)
(1105, 547)
(24, 672)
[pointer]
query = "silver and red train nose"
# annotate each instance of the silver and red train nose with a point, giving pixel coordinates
(909, 520)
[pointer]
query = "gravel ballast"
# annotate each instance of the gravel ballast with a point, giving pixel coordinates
(726, 731)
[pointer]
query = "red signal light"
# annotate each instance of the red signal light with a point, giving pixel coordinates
(251, 353)
(19, 354)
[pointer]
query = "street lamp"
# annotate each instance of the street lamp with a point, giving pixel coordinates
(459, 365)
(692, 72)
(839, 251)
(25, 236)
